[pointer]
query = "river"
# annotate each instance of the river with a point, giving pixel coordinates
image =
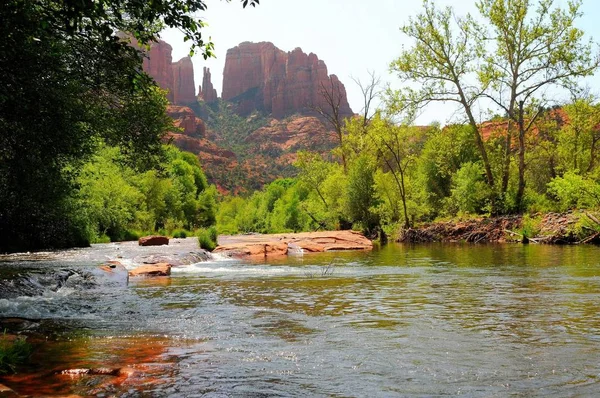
(423, 320)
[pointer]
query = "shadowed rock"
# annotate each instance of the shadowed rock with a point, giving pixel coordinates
(153, 240)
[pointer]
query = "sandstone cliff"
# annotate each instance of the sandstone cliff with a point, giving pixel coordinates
(259, 76)
(183, 81)
(206, 91)
(184, 118)
(177, 78)
(157, 64)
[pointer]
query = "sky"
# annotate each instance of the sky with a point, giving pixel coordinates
(353, 37)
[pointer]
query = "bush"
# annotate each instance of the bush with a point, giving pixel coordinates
(180, 233)
(573, 191)
(470, 193)
(207, 238)
(13, 353)
(530, 226)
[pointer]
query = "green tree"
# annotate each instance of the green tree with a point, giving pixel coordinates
(67, 82)
(532, 48)
(397, 148)
(446, 53)
(362, 198)
(580, 136)
(526, 49)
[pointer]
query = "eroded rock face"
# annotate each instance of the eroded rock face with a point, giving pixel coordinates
(259, 76)
(157, 64)
(183, 81)
(206, 90)
(294, 134)
(177, 78)
(186, 119)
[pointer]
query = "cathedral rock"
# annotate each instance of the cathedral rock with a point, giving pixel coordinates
(206, 90)
(175, 77)
(259, 76)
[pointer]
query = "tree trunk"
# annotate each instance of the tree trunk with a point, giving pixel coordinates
(521, 188)
(507, 150)
(403, 195)
(592, 155)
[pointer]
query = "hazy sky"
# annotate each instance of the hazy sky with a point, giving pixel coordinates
(351, 36)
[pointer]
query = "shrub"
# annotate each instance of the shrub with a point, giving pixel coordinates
(574, 191)
(180, 233)
(470, 193)
(530, 226)
(207, 238)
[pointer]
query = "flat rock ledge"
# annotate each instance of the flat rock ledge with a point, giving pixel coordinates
(274, 245)
(158, 269)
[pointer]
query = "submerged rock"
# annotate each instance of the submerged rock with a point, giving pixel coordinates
(176, 259)
(112, 273)
(153, 240)
(40, 282)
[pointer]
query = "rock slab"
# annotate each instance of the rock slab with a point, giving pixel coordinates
(153, 240)
(159, 269)
(272, 245)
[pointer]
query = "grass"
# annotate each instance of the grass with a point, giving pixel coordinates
(13, 352)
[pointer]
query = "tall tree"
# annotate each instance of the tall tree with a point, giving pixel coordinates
(68, 81)
(527, 49)
(533, 47)
(442, 62)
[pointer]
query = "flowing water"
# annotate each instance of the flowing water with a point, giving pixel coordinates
(425, 320)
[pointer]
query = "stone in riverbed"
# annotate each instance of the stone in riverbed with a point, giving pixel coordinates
(153, 240)
(111, 273)
(176, 259)
(159, 269)
(255, 250)
(255, 246)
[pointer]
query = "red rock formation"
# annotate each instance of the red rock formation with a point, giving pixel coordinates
(153, 240)
(158, 65)
(185, 118)
(260, 246)
(261, 76)
(158, 269)
(295, 133)
(206, 90)
(183, 82)
(177, 78)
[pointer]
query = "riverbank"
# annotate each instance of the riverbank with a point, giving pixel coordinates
(575, 227)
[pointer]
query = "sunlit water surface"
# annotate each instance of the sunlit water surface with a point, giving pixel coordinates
(426, 320)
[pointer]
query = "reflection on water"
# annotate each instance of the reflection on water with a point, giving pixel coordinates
(489, 320)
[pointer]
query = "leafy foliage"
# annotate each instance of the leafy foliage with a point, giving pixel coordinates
(70, 80)
(116, 200)
(207, 238)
